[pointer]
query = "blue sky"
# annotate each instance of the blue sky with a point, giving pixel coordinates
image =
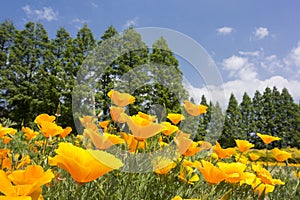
(254, 43)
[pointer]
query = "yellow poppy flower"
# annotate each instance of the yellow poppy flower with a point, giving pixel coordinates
(194, 109)
(5, 131)
(280, 155)
(84, 165)
(29, 133)
(205, 145)
(187, 174)
(44, 118)
(253, 156)
(121, 99)
(267, 139)
(223, 153)
(183, 142)
(26, 183)
(175, 118)
(104, 124)
(234, 171)
(177, 198)
(102, 142)
(265, 176)
(50, 129)
(260, 187)
(142, 128)
(6, 163)
(132, 142)
(163, 165)
(243, 145)
(65, 132)
(169, 128)
(211, 173)
(115, 113)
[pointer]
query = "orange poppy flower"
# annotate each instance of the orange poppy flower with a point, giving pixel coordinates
(84, 165)
(115, 113)
(140, 127)
(194, 109)
(121, 99)
(223, 153)
(25, 183)
(169, 128)
(163, 165)
(104, 125)
(234, 171)
(6, 163)
(65, 132)
(5, 131)
(265, 176)
(280, 155)
(175, 118)
(44, 118)
(205, 145)
(211, 173)
(29, 133)
(267, 139)
(253, 156)
(50, 129)
(187, 174)
(132, 142)
(183, 142)
(243, 145)
(102, 141)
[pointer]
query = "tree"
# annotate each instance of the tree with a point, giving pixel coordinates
(232, 123)
(7, 36)
(167, 89)
(247, 113)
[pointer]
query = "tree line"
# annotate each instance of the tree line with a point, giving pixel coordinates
(38, 75)
(271, 112)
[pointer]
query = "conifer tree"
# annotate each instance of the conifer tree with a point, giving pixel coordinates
(7, 36)
(231, 129)
(167, 89)
(247, 113)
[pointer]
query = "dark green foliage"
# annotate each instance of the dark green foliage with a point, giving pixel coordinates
(232, 129)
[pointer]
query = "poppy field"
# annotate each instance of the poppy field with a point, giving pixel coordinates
(104, 161)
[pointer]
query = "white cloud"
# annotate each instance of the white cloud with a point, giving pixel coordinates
(293, 59)
(239, 67)
(250, 53)
(234, 62)
(131, 22)
(224, 30)
(261, 33)
(222, 92)
(81, 21)
(94, 4)
(46, 13)
(271, 63)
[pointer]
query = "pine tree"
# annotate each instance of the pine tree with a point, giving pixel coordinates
(231, 129)
(203, 120)
(109, 74)
(168, 89)
(7, 36)
(288, 120)
(247, 113)
(62, 73)
(20, 76)
(215, 124)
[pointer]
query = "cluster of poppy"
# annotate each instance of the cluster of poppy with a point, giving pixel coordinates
(19, 178)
